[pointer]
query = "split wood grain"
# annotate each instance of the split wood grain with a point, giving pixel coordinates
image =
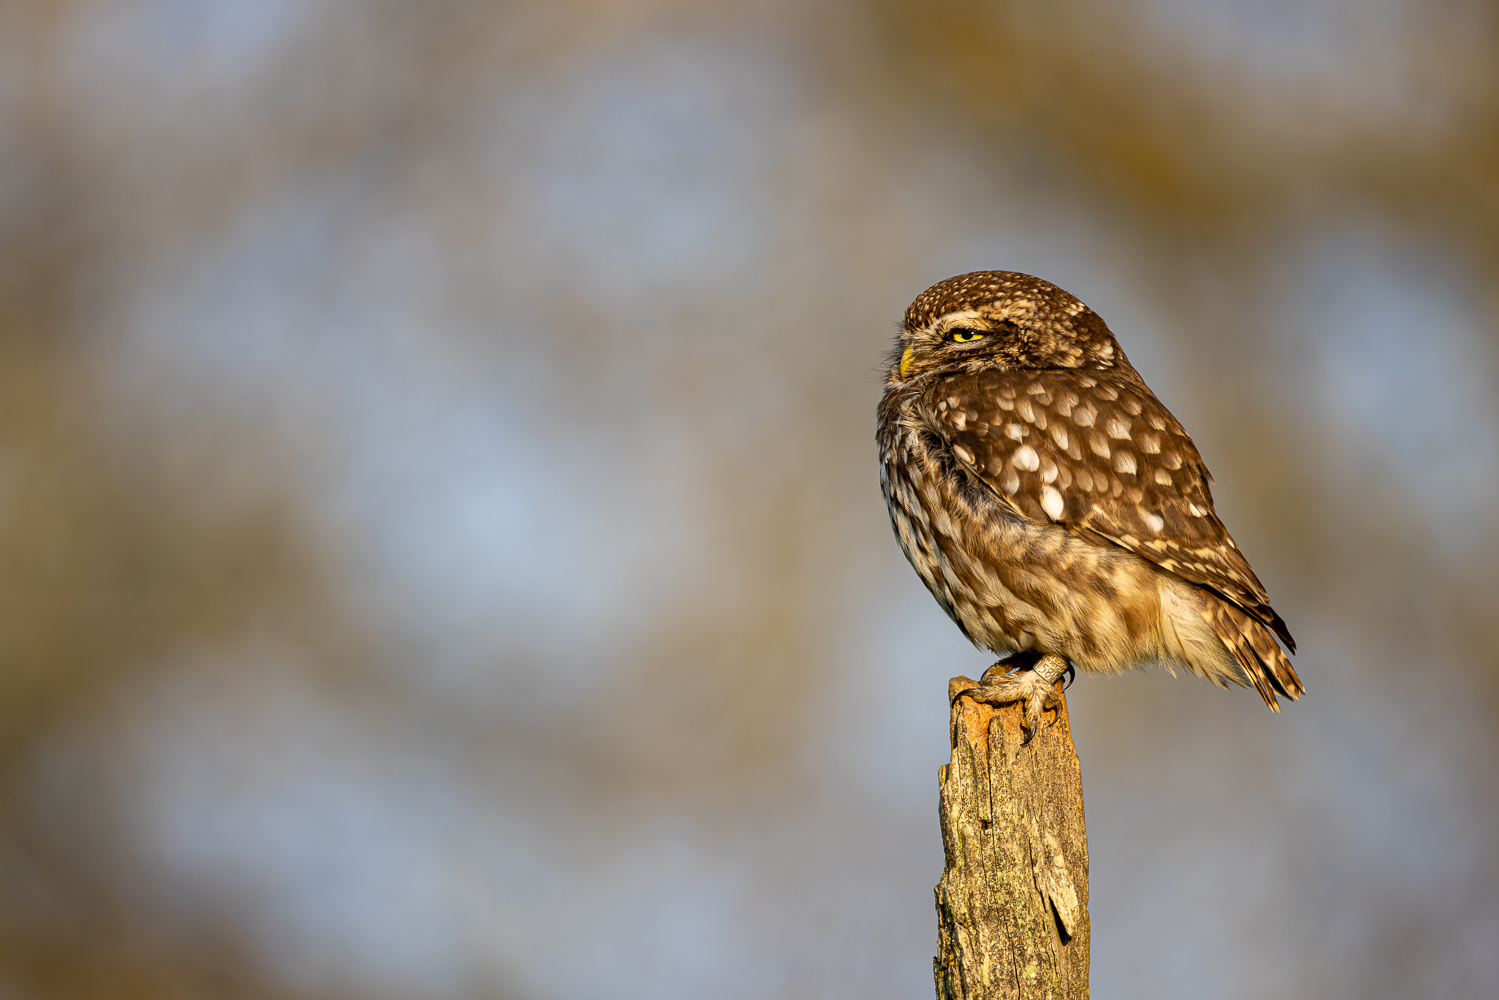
(1012, 904)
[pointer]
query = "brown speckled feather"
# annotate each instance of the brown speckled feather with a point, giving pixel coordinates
(1114, 467)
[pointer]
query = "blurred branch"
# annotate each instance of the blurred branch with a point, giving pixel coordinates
(1012, 905)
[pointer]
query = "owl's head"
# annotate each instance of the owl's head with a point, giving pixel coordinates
(1000, 319)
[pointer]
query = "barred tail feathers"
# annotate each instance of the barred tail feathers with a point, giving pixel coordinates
(1264, 663)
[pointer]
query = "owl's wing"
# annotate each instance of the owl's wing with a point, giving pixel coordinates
(1102, 457)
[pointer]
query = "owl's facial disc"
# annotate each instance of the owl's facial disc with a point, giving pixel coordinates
(955, 330)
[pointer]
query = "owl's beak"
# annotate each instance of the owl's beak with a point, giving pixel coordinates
(905, 361)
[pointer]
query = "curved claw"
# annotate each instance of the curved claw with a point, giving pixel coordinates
(1035, 706)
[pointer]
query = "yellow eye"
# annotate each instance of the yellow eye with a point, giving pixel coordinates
(965, 336)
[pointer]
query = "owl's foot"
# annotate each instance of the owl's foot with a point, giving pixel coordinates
(1033, 685)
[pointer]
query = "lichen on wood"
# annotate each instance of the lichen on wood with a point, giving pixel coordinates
(1012, 904)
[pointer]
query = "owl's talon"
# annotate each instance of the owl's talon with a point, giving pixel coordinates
(1007, 666)
(1024, 685)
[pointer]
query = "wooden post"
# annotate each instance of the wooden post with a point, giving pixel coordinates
(1012, 905)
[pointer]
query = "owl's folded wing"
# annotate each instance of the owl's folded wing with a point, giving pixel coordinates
(1101, 456)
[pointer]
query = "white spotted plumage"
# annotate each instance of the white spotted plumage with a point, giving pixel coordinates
(1051, 503)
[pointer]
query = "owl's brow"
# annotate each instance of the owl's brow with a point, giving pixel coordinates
(973, 319)
(957, 318)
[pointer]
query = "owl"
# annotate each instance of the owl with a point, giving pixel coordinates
(1059, 514)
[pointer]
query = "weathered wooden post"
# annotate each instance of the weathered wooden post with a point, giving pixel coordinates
(1012, 905)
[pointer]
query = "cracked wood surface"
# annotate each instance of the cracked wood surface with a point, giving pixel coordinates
(1012, 904)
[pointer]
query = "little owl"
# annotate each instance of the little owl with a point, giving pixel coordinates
(1054, 508)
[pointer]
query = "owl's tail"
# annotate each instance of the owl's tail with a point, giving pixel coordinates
(1264, 663)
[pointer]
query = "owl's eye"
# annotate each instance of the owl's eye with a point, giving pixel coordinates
(965, 336)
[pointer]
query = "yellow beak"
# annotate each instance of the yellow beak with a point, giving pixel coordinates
(905, 362)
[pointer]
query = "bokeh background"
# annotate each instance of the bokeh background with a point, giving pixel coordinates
(441, 554)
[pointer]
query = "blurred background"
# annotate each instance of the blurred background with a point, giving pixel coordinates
(441, 553)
